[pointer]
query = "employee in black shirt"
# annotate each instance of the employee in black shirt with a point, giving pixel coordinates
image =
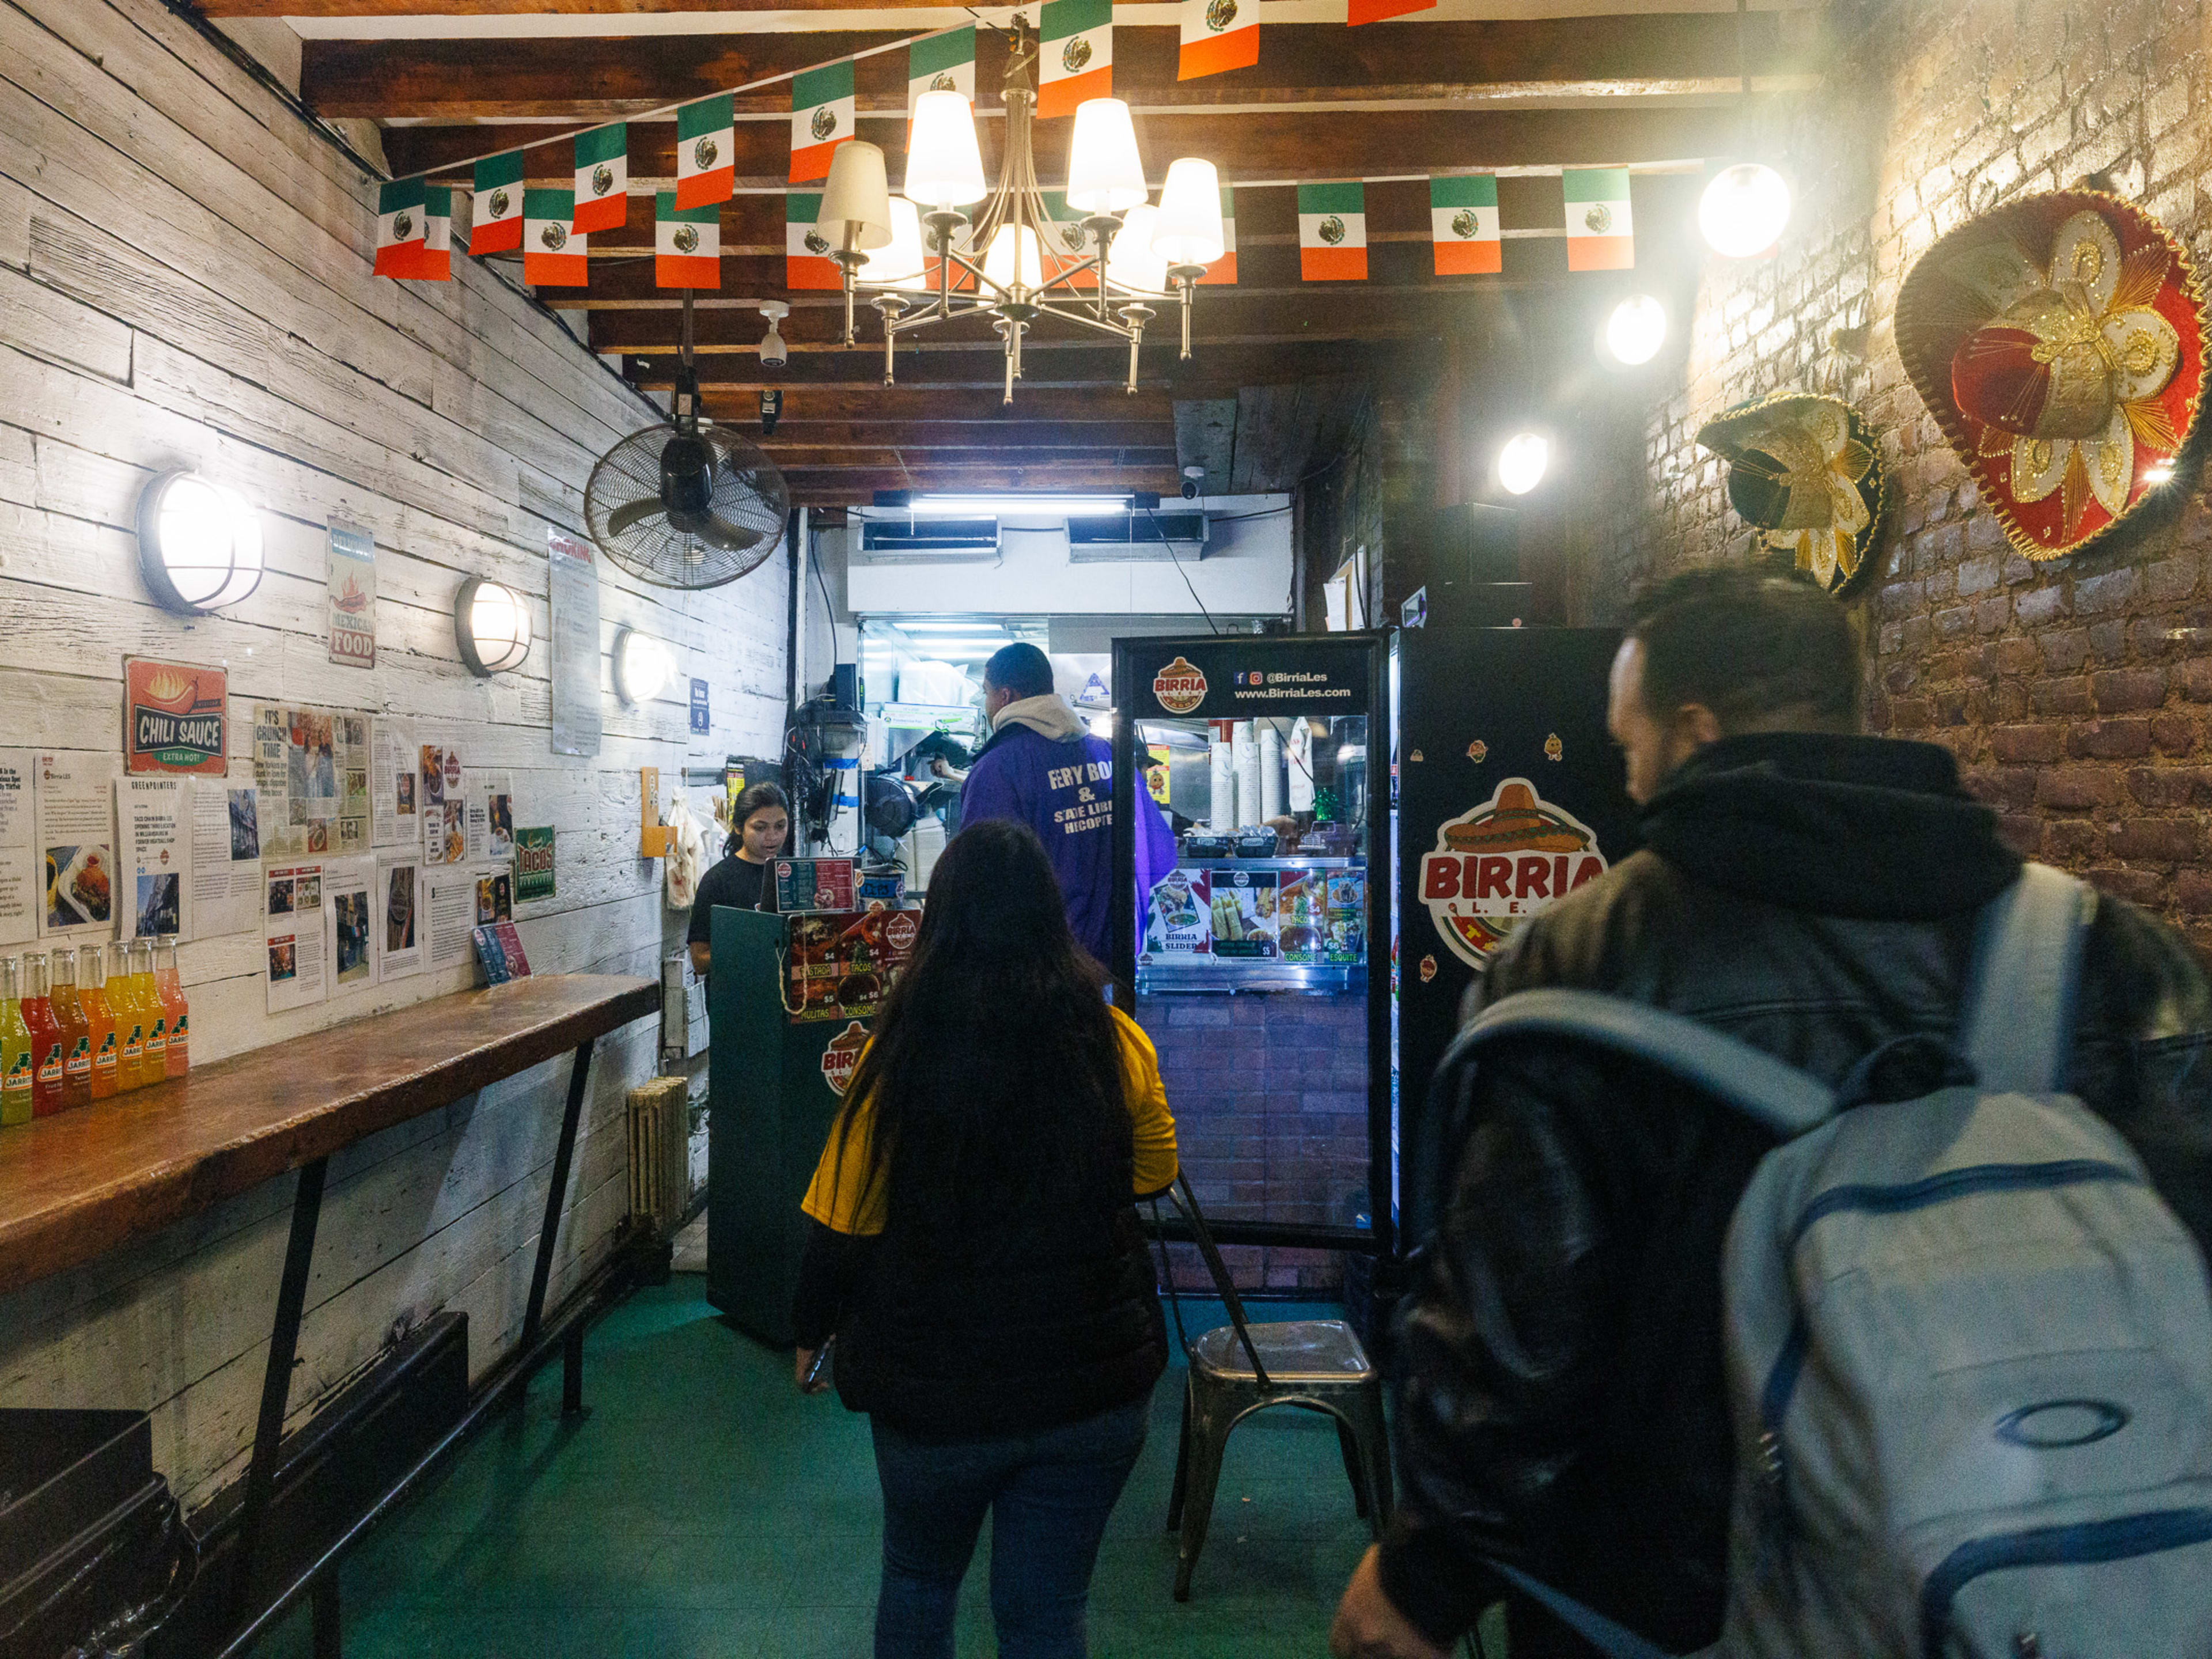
(743, 880)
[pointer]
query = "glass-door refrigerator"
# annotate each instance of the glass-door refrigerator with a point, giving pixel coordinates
(1252, 962)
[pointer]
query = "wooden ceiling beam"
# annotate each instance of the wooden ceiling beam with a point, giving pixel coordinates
(1630, 58)
(1243, 147)
(725, 389)
(939, 436)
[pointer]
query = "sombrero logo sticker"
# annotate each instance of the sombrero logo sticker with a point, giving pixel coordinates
(842, 1054)
(1180, 687)
(1495, 867)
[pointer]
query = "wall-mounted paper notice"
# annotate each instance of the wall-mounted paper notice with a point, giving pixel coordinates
(19, 849)
(401, 923)
(76, 814)
(393, 785)
(453, 913)
(293, 930)
(225, 884)
(153, 845)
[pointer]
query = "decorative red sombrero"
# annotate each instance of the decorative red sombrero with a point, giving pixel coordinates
(2059, 341)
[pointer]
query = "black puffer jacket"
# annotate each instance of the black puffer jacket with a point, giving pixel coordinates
(1562, 1403)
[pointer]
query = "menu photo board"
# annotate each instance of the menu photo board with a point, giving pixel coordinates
(803, 885)
(841, 966)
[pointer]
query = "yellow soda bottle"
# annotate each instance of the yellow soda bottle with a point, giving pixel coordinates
(15, 1047)
(131, 1019)
(154, 1060)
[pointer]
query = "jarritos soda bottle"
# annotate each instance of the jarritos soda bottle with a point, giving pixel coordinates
(154, 1062)
(77, 1032)
(131, 1019)
(99, 1018)
(15, 1047)
(45, 1039)
(175, 1011)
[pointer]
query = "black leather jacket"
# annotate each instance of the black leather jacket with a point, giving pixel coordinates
(1561, 1402)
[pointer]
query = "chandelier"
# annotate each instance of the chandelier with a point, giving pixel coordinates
(926, 263)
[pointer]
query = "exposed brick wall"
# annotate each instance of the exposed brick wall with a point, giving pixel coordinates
(1269, 1094)
(2074, 692)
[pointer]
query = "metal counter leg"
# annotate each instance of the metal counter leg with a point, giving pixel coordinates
(276, 1379)
(556, 1192)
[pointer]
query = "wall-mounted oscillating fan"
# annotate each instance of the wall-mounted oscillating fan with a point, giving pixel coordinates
(692, 507)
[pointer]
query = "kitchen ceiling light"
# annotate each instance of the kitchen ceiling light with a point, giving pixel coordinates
(642, 667)
(1744, 210)
(1635, 331)
(491, 627)
(1043, 506)
(199, 544)
(1521, 463)
(1106, 176)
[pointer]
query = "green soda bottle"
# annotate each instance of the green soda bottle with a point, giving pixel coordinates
(16, 1072)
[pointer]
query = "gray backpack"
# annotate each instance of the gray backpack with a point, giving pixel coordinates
(1969, 1348)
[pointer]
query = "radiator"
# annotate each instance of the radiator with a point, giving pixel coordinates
(660, 1153)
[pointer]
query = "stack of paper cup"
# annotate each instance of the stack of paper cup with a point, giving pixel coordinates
(1270, 771)
(1222, 815)
(1248, 774)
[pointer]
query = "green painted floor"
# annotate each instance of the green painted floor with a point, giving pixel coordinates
(704, 1511)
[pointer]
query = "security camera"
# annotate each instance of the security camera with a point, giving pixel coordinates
(1194, 478)
(775, 353)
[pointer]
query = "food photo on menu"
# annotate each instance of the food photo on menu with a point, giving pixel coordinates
(78, 891)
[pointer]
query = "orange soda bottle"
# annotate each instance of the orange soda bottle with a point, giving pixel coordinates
(154, 1062)
(176, 1011)
(99, 1018)
(131, 1019)
(76, 1033)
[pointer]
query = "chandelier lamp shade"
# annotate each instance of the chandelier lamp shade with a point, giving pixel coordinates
(1132, 257)
(491, 627)
(199, 543)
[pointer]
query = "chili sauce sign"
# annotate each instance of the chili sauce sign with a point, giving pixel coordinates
(1497, 866)
(175, 717)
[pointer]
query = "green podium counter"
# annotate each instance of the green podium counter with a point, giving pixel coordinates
(776, 1080)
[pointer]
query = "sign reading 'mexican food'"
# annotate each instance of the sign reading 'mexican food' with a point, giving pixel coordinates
(1497, 866)
(1180, 687)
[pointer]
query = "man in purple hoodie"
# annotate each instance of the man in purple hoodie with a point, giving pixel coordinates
(1042, 768)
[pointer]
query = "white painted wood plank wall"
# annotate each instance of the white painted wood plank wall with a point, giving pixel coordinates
(185, 280)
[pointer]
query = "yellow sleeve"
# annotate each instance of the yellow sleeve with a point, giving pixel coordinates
(834, 1197)
(1151, 1123)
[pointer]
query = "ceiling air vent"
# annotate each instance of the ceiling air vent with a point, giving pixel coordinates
(903, 540)
(1124, 536)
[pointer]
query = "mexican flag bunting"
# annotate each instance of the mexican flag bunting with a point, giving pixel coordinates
(821, 117)
(687, 244)
(806, 261)
(553, 254)
(1075, 54)
(1066, 244)
(1463, 224)
(602, 178)
(1217, 35)
(706, 152)
(1374, 11)
(1224, 270)
(1333, 233)
(495, 216)
(435, 263)
(399, 227)
(941, 63)
(1601, 236)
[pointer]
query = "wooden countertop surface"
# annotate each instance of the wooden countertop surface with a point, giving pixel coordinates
(86, 1181)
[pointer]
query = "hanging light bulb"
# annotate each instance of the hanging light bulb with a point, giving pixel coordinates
(1744, 209)
(898, 266)
(998, 259)
(944, 168)
(1521, 463)
(1635, 331)
(1131, 263)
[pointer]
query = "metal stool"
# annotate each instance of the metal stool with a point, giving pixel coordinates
(1318, 1365)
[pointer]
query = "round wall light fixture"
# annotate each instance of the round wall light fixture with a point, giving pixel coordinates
(1635, 331)
(1744, 209)
(199, 543)
(1521, 463)
(642, 667)
(491, 626)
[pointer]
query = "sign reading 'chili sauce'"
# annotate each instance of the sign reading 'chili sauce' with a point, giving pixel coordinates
(1497, 866)
(1180, 687)
(174, 716)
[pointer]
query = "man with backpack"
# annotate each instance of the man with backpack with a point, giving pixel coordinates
(1582, 1315)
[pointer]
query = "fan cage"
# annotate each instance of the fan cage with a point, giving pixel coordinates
(750, 494)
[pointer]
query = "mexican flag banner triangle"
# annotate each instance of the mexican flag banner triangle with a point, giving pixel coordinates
(1333, 233)
(1224, 270)
(399, 227)
(941, 63)
(496, 214)
(1601, 236)
(821, 117)
(1075, 54)
(706, 152)
(1217, 35)
(553, 254)
(602, 178)
(435, 263)
(806, 261)
(1374, 11)
(687, 244)
(1463, 225)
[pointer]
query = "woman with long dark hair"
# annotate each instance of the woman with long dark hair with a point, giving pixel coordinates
(741, 881)
(974, 1247)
